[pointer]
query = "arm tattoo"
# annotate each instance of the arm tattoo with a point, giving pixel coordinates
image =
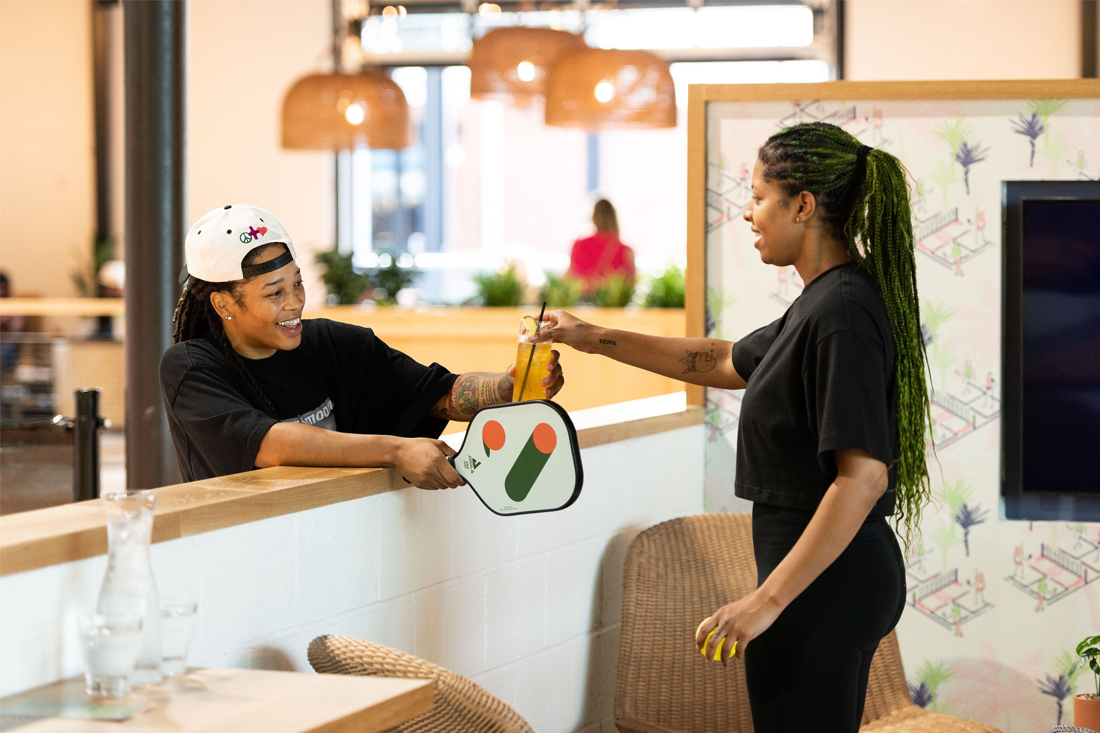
(609, 342)
(488, 394)
(471, 392)
(465, 393)
(505, 388)
(698, 361)
(578, 325)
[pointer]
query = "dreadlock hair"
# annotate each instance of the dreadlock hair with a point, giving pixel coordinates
(863, 195)
(195, 317)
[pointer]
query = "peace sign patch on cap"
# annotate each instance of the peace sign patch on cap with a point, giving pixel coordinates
(219, 241)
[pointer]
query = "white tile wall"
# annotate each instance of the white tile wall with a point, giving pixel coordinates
(338, 559)
(248, 583)
(527, 606)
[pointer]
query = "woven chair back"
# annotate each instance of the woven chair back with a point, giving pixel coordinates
(460, 705)
(676, 574)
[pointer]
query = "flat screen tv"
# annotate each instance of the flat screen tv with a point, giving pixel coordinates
(1051, 350)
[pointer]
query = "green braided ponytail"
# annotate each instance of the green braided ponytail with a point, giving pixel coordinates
(869, 209)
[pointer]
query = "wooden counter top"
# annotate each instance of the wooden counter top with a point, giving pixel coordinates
(76, 531)
(244, 701)
(61, 307)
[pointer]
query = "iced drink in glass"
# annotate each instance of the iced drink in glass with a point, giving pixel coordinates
(534, 389)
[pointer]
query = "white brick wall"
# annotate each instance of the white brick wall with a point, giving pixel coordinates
(527, 606)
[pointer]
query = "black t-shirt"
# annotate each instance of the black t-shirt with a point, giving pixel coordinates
(341, 377)
(820, 379)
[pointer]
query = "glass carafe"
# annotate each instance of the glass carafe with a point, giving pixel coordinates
(128, 586)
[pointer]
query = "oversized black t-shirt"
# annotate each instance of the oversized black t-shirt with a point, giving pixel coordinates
(341, 377)
(820, 379)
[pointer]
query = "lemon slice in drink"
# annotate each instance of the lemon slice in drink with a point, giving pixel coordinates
(530, 324)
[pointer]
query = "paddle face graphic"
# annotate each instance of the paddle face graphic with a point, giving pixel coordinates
(521, 458)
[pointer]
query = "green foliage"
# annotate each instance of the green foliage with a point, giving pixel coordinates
(1054, 147)
(615, 291)
(717, 303)
(1066, 665)
(1088, 654)
(932, 675)
(1044, 108)
(953, 132)
(955, 494)
(942, 356)
(944, 175)
(103, 251)
(934, 314)
(502, 288)
(387, 281)
(561, 291)
(340, 278)
(944, 536)
(666, 291)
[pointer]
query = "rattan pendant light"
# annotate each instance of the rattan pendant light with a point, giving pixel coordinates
(345, 112)
(511, 64)
(597, 89)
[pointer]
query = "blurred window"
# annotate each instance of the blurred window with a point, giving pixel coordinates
(486, 181)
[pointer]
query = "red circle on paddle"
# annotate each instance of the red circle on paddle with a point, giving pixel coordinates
(493, 435)
(545, 438)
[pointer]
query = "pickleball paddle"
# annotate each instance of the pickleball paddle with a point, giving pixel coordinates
(521, 458)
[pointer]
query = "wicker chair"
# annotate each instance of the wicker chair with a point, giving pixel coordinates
(663, 686)
(460, 705)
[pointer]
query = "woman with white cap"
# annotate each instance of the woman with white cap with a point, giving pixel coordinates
(248, 383)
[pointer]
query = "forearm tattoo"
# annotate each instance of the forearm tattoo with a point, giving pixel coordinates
(699, 361)
(609, 342)
(505, 387)
(471, 392)
(466, 394)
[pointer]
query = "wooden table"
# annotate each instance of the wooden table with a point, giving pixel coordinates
(245, 701)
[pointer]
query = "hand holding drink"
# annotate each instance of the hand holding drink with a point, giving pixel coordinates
(562, 327)
(543, 365)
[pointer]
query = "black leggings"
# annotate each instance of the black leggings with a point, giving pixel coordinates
(812, 665)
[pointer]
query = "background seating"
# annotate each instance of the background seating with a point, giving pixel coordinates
(672, 580)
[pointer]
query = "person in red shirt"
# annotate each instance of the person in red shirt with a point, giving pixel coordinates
(602, 255)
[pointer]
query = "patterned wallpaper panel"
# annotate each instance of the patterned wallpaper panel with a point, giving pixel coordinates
(995, 606)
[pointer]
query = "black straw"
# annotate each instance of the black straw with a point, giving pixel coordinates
(531, 356)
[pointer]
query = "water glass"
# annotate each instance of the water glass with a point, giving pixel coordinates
(110, 645)
(176, 626)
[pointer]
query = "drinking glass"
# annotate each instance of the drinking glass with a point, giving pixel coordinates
(110, 646)
(177, 623)
(534, 389)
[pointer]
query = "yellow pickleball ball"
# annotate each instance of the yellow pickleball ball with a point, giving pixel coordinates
(718, 651)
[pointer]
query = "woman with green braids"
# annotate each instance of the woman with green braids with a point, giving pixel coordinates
(831, 438)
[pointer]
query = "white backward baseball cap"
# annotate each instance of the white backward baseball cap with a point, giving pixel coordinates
(218, 242)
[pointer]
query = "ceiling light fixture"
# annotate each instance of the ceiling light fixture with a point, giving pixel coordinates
(512, 64)
(345, 112)
(597, 89)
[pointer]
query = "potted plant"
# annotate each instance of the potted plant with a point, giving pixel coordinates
(615, 291)
(1086, 706)
(502, 288)
(344, 283)
(666, 291)
(390, 279)
(560, 291)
